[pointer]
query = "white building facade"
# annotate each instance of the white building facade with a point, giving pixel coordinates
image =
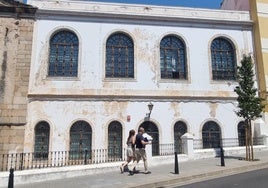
(96, 66)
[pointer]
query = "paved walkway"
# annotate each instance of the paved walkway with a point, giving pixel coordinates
(162, 176)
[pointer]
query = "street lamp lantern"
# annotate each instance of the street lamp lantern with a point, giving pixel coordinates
(150, 107)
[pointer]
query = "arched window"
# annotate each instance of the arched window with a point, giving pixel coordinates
(119, 56)
(115, 140)
(223, 59)
(173, 58)
(63, 54)
(41, 141)
(180, 129)
(151, 129)
(80, 140)
(211, 135)
(241, 129)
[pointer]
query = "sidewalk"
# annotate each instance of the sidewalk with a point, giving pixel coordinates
(161, 176)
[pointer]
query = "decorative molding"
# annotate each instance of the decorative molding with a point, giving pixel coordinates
(139, 13)
(124, 98)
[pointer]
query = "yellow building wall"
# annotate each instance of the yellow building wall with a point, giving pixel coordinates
(261, 1)
(259, 15)
(263, 24)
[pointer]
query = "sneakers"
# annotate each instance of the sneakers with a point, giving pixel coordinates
(147, 172)
(131, 173)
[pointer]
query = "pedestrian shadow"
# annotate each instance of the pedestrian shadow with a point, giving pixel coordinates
(232, 157)
(173, 173)
(237, 157)
(136, 172)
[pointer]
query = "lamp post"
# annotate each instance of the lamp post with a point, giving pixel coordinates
(150, 107)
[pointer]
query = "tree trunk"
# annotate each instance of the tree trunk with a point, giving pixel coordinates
(251, 141)
(246, 139)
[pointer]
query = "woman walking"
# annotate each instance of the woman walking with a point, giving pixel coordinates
(130, 149)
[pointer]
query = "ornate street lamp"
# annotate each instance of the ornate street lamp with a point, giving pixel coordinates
(150, 107)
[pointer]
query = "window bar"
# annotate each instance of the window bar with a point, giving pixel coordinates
(127, 62)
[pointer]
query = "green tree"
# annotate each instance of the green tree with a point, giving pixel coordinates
(249, 104)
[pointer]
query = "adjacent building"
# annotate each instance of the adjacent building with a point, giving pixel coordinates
(259, 15)
(235, 5)
(16, 31)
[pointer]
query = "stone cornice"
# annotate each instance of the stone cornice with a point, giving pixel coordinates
(140, 12)
(132, 98)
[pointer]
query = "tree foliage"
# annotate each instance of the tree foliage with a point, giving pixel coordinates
(249, 104)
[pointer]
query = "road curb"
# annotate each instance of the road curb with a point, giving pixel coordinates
(182, 180)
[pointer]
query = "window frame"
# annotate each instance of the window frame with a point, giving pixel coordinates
(42, 154)
(181, 59)
(119, 77)
(211, 135)
(241, 133)
(115, 150)
(86, 145)
(77, 55)
(179, 129)
(230, 71)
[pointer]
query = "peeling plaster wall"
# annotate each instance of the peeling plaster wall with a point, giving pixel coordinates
(61, 116)
(91, 79)
(93, 98)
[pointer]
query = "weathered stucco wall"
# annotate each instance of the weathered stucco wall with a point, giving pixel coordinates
(98, 100)
(92, 81)
(62, 115)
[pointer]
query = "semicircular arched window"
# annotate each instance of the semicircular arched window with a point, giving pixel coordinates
(173, 58)
(211, 135)
(180, 129)
(41, 141)
(80, 140)
(63, 54)
(241, 129)
(115, 140)
(119, 56)
(223, 58)
(151, 129)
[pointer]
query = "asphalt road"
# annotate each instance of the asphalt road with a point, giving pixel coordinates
(252, 179)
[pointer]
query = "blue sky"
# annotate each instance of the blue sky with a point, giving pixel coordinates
(185, 3)
(215, 4)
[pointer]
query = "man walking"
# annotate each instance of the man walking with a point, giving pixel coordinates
(140, 152)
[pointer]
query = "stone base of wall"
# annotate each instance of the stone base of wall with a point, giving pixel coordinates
(12, 139)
